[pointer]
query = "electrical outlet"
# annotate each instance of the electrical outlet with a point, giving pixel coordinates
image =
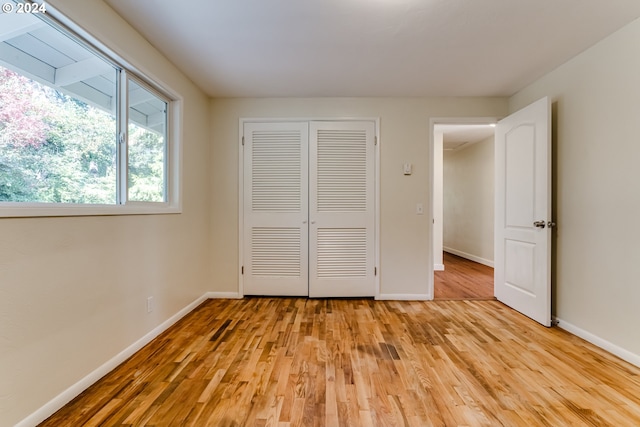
(149, 304)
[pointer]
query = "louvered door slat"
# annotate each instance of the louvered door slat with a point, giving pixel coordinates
(276, 251)
(342, 252)
(276, 168)
(341, 170)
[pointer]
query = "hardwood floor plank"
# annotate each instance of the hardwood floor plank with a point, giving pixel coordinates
(288, 362)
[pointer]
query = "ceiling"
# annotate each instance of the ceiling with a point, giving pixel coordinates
(300, 48)
(460, 136)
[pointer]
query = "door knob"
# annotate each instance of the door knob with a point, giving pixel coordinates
(539, 224)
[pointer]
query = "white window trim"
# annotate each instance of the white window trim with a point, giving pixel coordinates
(173, 189)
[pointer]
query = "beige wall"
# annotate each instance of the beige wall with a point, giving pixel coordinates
(469, 201)
(73, 290)
(596, 99)
(406, 254)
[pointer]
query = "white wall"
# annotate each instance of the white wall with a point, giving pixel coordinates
(73, 290)
(596, 99)
(406, 251)
(469, 201)
(438, 209)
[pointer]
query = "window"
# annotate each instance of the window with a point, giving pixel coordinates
(79, 132)
(147, 146)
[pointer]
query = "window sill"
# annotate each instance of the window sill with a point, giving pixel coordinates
(28, 210)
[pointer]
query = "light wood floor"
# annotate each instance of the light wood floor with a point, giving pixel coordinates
(357, 362)
(463, 279)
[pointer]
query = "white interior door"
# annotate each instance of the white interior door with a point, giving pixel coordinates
(275, 191)
(523, 211)
(341, 209)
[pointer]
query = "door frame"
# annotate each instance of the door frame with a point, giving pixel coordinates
(484, 120)
(376, 237)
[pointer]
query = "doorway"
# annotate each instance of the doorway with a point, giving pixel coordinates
(463, 205)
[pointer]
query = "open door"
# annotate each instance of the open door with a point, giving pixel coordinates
(523, 211)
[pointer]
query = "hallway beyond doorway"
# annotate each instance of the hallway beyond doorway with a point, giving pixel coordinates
(463, 279)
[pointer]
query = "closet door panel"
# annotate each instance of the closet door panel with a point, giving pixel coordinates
(341, 209)
(275, 217)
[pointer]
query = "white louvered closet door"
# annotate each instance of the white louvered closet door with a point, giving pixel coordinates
(341, 209)
(275, 247)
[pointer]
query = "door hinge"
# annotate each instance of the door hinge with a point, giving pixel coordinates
(375, 271)
(242, 139)
(242, 270)
(375, 140)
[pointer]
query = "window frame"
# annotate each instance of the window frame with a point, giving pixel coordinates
(173, 149)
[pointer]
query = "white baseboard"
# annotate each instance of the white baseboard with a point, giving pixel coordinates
(405, 297)
(438, 267)
(465, 255)
(66, 396)
(622, 353)
(223, 295)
